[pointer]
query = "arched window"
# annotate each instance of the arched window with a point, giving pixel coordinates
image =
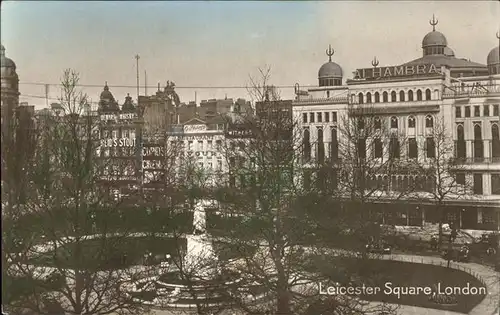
(411, 122)
(368, 97)
(360, 98)
(419, 95)
(428, 95)
(334, 151)
(410, 95)
(477, 132)
(478, 142)
(393, 96)
(306, 146)
(402, 96)
(460, 133)
(321, 146)
(385, 97)
(394, 122)
(495, 142)
(429, 121)
(377, 97)
(378, 123)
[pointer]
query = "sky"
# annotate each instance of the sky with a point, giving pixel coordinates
(222, 44)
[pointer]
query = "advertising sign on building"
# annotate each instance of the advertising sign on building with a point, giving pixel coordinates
(195, 128)
(118, 142)
(396, 71)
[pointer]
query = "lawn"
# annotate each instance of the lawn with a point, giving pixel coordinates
(379, 273)
(110, 253)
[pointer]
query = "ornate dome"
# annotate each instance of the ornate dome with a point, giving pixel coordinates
(128, 105)
(449, 52)
(493, 56)
(5, 62)
(434, 38)
(330, 69)
(106, 94)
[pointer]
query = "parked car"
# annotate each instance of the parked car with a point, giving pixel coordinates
(378, 248)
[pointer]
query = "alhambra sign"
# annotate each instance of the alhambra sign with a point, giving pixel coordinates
(396, 71)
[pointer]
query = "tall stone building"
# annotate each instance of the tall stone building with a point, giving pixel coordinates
(10, 90)
(409, 100)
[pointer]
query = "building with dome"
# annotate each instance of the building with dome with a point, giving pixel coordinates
(119, 129)
(408, 101)
(10, 89)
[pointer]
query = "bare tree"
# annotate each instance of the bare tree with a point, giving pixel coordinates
(277, 244)
(448, 178)
(77, 264)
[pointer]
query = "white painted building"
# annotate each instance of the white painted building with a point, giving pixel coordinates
(410, 99)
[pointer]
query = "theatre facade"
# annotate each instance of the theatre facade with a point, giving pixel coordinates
(411, 100)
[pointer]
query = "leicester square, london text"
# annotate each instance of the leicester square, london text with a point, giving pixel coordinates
(396, 71)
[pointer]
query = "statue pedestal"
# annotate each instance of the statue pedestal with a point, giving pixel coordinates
(200, 258)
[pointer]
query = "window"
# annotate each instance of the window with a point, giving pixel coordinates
(190, 145)
(478, 184)
(410, 95)
(377, 97)
(210, 145)
(419, 95)
(377, 150)
(393, 96)
(200, 145)
(378, 123)
(327, 94)
(385, 97)
(467, 111)
(411, 122)
(321, 147)
(362, 148)
(495, 184)
(476, 111)
(402, 96)
(412, 148)
(361, 123)
(428, 95)
(394, 122)
(334, 152)
(327, 117)
(311, 117)
(460, 178)
(460, 145)
(478, 142)
(429, 121)
(486, 110)
(360, 98)
(304, 117)
(430, 147)
(495, 110)
(334, 117)
(320, 118)
(458, 112)
(394, 148)
(218, 144)
(495, 142)
(368, 97)
(306, 146)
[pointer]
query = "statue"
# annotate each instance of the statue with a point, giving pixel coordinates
(200, 256)
(199, 219)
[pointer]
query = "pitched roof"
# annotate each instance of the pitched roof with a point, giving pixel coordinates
(441, 60)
